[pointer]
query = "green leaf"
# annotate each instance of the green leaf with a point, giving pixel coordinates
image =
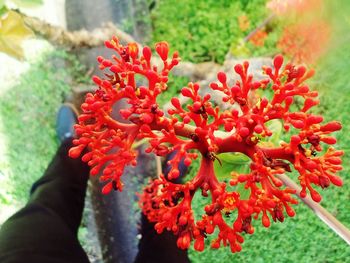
(12, 33)
(27, 3)
(2, 3)
(231, 162)
(234, 158)
(3, 10)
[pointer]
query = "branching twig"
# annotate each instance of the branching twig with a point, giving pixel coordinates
(264, 23)
(76, 39)
(82, 38)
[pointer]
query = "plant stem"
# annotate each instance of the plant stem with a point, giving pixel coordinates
(321, 212)
(264, 23)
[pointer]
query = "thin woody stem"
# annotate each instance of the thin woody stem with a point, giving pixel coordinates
(321, 212)
(264, 23)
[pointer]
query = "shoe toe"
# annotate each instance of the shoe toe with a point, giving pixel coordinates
(66, 118)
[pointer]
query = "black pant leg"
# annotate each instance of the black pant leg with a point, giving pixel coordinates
(45, 230)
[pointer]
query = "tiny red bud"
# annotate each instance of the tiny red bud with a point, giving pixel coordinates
(258, 129)
(301, 71)
(182, 220)
(235, 89)
(97, 80)
(329, 140)
(186, 92)
(186, 119)
(107, 188)
(107, 63)
(214, 86)
(228, 126)
(336, 180)
(222, 77)
(244, 131)
(115, 69)
(314, 119)
(75, 152)
(299, 124)
(109, 44)
(100, 59)
(187, 161)
(199, 245)
(265, 220)
(215, 245)
(197, 106)
(331, 126)
(239, 69)
(315, 196)
(147, 53)
(133, 50)
(162, 49)
(278, 61)
(176, 102)
(295, 139)
(209, 229)
(147, 118)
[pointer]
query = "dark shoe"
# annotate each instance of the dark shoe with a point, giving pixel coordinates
(66, 119)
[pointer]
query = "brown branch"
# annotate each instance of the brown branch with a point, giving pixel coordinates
(76, 39)
(259, 27)
(82, 38)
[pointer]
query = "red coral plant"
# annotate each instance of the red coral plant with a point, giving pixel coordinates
(192, 132)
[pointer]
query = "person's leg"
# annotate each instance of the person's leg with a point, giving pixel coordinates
(158, 248)
(45, 230)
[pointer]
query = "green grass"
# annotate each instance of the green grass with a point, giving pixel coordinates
(205, 30)
(28, 113)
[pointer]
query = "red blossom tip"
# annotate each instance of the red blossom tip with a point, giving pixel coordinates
(162, 49)
(278, 61)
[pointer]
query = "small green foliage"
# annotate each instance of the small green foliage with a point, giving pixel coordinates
(205, 30)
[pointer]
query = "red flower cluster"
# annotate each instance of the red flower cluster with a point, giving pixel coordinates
(202, 130)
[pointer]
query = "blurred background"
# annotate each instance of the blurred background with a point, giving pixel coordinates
(48, 49)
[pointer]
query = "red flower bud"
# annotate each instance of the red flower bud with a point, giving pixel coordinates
(162, 49)
(222, 77)
(331, 126)
(147, 53)
(278, 61)
(186, 92)
(107, 188)
(239, 69)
